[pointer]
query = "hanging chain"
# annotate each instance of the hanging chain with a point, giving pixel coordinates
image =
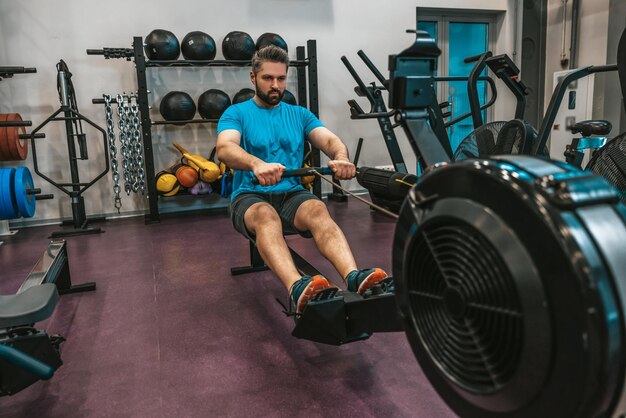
(136, 148)
(108, 111)
(123, 112)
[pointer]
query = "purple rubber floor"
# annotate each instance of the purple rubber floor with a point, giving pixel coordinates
(170, 333)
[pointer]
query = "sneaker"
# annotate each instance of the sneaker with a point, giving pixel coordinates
(361, 280)
(306, 289)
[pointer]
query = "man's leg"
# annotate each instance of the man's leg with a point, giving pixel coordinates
(262, 220)
(264, 223)
(313, 216)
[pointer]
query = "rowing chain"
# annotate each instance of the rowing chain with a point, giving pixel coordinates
(367, 202)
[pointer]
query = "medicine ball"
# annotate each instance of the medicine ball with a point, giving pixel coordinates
(288, 97)
(269, 38)
(243, 95)
(177, 105)
(187, 176)
(198, 46)
(212, 103)
(167, 183)
(161, 44)
(238, 46)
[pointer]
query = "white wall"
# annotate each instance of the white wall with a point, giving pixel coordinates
(38, 33)
(593, 38)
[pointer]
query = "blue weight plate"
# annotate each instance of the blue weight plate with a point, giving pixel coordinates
(25, 201)
(10, 210)
(3, 193)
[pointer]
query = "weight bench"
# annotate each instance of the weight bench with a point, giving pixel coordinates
(257, 263)
(26, 353)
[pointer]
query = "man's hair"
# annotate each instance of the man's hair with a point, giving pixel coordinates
(270, 53)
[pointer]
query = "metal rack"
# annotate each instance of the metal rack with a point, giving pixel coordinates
(306, 73)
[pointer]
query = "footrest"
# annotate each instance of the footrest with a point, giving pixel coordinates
(32, 305)
(348, 317)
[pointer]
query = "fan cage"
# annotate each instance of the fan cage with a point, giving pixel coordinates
(465, 305)
(610, 163)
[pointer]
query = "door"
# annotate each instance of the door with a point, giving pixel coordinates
(458, 38)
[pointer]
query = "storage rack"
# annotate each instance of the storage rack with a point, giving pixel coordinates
(306, 76)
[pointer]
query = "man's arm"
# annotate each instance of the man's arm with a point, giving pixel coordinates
(230, 153)
(330, 144)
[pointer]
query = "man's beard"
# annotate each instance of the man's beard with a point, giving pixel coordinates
(270, 100)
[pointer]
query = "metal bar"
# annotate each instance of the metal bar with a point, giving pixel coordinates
(27, 136)
(213, 63)
(311, 48)
(491, 101)
(16, 70)
(357, 153)
(372, 67)
(146, 125)
(472, 89)
(573, 46)
(301, 77)
(364, 89)
(17, 123)
(179, 122)
(621, 64)
(557, 98)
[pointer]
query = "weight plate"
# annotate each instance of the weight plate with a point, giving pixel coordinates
(25, 201)
(10, 210)
(3, 214)
(18, 148)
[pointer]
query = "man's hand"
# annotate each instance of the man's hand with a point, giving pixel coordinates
(268, 173)
(342, 169)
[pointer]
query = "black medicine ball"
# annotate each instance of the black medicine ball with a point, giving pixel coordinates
(161, 44)
(288, 97)
(177, 105)
(243, 95)
(238, 46)
(198, 46)
(269, 38)
(212, 103)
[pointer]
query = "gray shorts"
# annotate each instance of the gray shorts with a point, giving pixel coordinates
(286, 205)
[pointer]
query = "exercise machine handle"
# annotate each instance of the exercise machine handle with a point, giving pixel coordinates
(372, 68)
(363, 88)
(473, 58)
(24, 361)
(301, 172)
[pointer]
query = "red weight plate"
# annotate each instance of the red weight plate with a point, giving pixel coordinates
(5, 152)
(17, 147)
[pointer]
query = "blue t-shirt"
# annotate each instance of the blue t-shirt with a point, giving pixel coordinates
(274, 135)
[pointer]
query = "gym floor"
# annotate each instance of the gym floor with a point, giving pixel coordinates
(170, 333)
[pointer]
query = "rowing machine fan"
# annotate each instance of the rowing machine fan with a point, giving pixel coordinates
(610, 163)
(498, 138)
(511, 276)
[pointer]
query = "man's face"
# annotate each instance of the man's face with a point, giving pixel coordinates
(270, 82)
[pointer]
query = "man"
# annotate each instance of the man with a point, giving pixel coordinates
(261, 138)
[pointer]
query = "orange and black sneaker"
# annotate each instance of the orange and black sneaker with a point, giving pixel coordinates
(362, 280)
(306, 289)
